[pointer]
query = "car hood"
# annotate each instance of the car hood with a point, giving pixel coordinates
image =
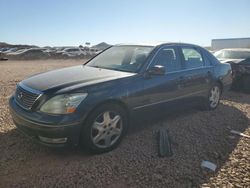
(76, 75)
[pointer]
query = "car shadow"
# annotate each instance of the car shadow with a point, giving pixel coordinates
(196, 135)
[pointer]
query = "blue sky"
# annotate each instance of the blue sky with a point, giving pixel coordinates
(64, 22)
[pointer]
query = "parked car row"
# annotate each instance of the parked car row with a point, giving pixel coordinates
(48, 53)
(239, 58)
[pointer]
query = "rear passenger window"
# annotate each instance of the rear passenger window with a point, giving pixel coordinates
(192, 57)
(167, 58)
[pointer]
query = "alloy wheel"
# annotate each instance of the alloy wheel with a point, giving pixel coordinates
(214, 96)
(106, 129)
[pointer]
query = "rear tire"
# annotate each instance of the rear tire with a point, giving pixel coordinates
(213, 98)
(104, 128)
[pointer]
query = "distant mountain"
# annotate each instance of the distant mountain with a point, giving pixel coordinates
(6, 45)
(101, 46)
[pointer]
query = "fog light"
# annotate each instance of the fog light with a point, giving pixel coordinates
(53, 140)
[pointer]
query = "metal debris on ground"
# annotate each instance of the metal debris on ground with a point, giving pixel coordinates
(164, 144)
(239, 133)
(209, 165)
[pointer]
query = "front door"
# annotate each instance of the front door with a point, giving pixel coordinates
(159, 89)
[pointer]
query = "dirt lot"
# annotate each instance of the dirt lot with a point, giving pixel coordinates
(198, 135)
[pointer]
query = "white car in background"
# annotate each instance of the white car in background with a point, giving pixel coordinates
(72, 52)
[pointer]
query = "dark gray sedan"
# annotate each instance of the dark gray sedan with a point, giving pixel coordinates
(92, 104)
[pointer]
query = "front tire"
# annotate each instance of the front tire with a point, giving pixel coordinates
(105, 128)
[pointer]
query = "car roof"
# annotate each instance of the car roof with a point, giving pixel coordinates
(154, 44)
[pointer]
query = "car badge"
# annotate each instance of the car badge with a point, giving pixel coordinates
(20, 95)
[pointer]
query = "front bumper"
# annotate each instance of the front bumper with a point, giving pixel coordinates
(54, 131)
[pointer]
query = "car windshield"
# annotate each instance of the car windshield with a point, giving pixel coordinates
(122, 58)
(232, 54)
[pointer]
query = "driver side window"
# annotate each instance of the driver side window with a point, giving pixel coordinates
(167, 57)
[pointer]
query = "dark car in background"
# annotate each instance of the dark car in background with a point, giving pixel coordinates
(239, 58)
(92, 104)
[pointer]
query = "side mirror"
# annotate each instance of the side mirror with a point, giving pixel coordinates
(157, 70)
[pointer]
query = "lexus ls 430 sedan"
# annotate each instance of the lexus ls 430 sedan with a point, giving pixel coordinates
(92, 104)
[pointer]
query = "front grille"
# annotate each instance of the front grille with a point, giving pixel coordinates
(26, 97)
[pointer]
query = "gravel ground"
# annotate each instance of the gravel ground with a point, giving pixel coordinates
(197, 135)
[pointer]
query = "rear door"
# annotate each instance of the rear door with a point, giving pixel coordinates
(198, 72)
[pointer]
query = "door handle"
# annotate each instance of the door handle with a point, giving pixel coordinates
(209, 73)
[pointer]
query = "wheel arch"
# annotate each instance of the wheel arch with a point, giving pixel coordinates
(114, 101)
(220, 84)
(109, 101)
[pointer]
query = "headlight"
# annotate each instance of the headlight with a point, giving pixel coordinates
(63, 104)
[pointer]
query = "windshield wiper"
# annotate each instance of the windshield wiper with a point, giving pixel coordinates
(99, 67)
(110, 68)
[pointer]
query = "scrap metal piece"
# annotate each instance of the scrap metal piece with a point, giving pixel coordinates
(239, 133)
(209, 165)
(164, 144)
